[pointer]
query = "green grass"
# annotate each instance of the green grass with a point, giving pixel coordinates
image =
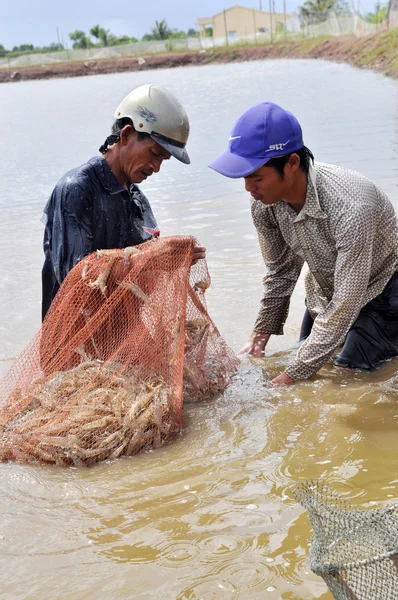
(385, 48)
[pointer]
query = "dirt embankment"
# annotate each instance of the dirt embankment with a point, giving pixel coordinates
(378, 52)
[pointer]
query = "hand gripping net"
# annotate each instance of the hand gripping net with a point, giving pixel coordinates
(355, 551)
(127, 334)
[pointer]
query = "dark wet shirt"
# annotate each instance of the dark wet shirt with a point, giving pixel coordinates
(89, 210)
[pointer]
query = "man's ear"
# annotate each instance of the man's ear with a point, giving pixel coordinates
(294, 162)
(126, 134)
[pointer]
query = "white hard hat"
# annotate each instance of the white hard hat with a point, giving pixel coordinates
(155, 110)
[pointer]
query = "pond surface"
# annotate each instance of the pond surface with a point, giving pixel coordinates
(212, 515)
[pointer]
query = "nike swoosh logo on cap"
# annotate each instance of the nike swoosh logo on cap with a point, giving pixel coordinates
(234, 137)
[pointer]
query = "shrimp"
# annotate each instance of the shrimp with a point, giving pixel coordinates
(201, 285)
(100, 282)
(84, 271)
(128, 253)
(108, 252)
(195, 331)
(137, 291)
(175, 334)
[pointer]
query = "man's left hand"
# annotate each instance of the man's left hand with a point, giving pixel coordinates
(283, 379)
(199, 252)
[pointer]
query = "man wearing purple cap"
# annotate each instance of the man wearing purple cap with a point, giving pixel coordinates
(333, 219)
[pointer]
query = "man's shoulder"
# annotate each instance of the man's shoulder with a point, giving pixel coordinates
(343, 185)
(336, 175)
(344, 192)
(73, 189)
(78, 176)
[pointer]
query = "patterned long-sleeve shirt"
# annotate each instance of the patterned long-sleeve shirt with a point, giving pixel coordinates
(347, 234)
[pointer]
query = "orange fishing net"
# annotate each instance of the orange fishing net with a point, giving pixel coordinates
(127, 337)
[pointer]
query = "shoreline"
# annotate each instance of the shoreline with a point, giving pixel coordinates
(377, 52)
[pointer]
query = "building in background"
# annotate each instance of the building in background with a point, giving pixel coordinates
(239, 21)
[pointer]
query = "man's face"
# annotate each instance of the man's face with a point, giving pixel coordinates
(140, 158)
(267, 185)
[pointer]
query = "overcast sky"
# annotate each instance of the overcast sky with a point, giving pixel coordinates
(36, 21)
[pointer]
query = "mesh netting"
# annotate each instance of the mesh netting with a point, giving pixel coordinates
(127, 336)
(355, 551)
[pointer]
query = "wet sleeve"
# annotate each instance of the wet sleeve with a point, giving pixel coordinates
(71, 235)
(354, 242)
(283, 269)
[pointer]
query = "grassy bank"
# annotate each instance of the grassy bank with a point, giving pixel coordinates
(378, 52)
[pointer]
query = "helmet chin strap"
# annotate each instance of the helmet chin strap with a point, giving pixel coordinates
(110, 140)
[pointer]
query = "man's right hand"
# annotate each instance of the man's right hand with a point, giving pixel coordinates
(256, 344)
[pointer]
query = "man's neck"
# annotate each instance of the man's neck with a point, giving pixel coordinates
(112, 159)
(296, 197)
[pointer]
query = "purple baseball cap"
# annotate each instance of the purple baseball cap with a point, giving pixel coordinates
(262, 132)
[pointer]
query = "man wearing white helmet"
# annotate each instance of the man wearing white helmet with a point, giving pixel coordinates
(99, 205)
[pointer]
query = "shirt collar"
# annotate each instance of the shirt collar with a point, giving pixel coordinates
(311, 207)
(106, 175)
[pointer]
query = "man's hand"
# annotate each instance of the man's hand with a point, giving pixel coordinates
(199, 252)
(283, 379)
(256, 344)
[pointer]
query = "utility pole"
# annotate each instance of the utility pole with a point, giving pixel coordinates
(261, 8)
(225, 26)
(270, 18)
(59, 41)
(254, 25)
(284, 17)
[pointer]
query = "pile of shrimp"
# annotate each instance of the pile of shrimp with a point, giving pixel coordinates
(84, 416)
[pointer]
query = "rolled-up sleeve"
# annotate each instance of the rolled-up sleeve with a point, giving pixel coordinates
(283, 268)
(354, 243)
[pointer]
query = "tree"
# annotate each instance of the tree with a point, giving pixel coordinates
(161, 30)
(315, 11)
(24, 48)
(379, 15)
(342, 9)
(178, 35)
(104, 36)
(3, 51)
(54, 47)
(121, 40)
(79, 39)
(95, 32)
(192, 32)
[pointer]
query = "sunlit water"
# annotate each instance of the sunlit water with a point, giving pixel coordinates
(212, 514)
